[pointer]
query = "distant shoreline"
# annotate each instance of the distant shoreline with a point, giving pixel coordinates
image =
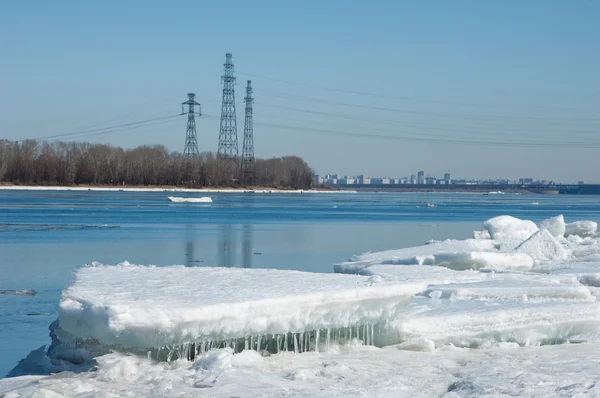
(112, 188)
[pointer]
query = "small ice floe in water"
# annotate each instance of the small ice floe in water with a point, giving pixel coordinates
(19, 292)
(430, 204)
(203, 199)
(535, 203)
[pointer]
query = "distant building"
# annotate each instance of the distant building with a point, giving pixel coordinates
(421, 177)
(447, 178)
(430, 180)
(525, 180)
(361, 179)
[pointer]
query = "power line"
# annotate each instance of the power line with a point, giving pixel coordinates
(457, 129)
(424, 113)
(83, 132)
(434, 140)
(388, 96)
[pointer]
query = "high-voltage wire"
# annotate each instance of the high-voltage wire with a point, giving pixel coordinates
(511, 144)
(104, 130)
(227, 152)
(190, 150)
(248, 144)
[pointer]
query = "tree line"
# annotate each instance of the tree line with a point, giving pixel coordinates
(81, 163)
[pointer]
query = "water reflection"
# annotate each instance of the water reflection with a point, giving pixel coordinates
(226, 246)
(190, 237)
(247, 247)
(221, 248)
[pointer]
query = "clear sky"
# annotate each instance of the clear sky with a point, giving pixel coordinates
(495, 89)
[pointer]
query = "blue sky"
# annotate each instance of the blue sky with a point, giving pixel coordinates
(480, 88)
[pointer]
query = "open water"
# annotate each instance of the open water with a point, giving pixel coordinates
(44, 235)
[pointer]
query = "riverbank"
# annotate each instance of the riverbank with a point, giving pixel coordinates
(166, 189)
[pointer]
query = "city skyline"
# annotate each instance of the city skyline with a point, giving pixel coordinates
(486, 90)
(422, 178)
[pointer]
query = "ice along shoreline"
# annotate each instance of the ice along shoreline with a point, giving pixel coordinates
(166, 189)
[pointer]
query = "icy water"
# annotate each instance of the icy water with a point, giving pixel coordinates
(45, 235)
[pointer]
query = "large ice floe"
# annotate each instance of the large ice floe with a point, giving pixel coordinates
(172, 310)
(512, 312)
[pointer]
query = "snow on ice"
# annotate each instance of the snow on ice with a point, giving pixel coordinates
(513, 312)
(140, 307)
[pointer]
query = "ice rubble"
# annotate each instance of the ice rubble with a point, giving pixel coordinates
(506, 228)
(581, 228)
(518, 284)
(543, 247)
(554, 225)
(142, 308)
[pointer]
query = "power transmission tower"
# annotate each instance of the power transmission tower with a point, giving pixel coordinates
(248, 146)
(190, 150)
(228, 142)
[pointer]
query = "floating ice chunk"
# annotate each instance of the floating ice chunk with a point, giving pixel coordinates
(481, 234)
(476, 323)
(507, 228)
(554, 225)
(581, 228)
(203, 199)
(147, 307)
(543, 247)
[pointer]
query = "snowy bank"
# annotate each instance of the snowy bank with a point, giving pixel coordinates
(149, 189)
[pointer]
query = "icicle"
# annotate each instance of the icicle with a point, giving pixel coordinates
(372, 334)
(251, 342)
(296, 343)
(317, 341)
(246, 343)
(149, 355)
(278, 342)
(258, 343)
(302, 342)
(285, 342)
(328, 339)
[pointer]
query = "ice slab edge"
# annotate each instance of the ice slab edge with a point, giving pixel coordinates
(144, 307)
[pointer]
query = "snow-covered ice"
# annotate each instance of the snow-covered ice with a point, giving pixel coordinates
(513, 312)
(141, 307)
(203, 199)
(555, 225)
(581, 228)
(542, 247)
(508, 228)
